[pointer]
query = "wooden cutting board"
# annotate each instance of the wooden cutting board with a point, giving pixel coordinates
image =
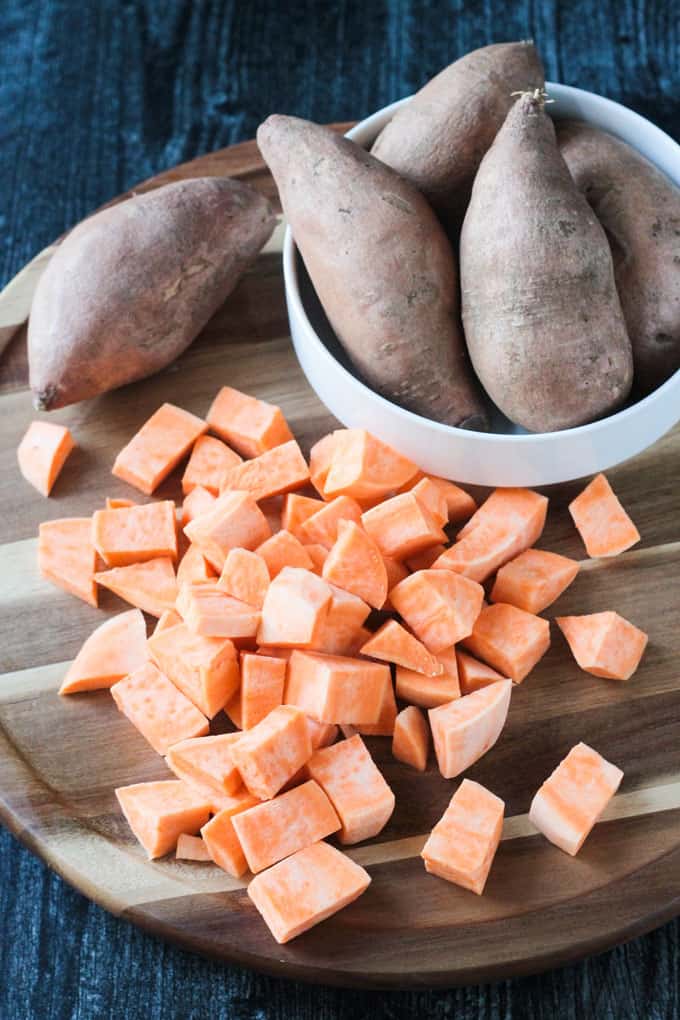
(60, 758)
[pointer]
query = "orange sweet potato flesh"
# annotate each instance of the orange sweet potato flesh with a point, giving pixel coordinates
(220, 836)
(534, 580)
(429, 691)
(604, 644)
(411, 738)
(262, 684)
(159, 812)
(249, 425)
(209, 460)
(603, 524)
(296, 510)
(117, 647)
(151, 586)
(402, 526)
(158, 447)
(356, 564)
(197, 502)
(245, 576)
(194, 568)
(235, 521)
(206, 764)
(473, 674)
(509, 639)
(135, 534)
(274, 472)
(441, 607)
(365, 468)
(42, 453)
(161, 713)
(284, 550)
(393, 643)
(295, 608)
(463, 843)
(67, 557)
(321, 528)
(98, 322)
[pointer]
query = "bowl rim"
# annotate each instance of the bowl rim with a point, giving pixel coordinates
(297, 308)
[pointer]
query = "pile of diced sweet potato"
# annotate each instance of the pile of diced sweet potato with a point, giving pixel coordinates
(286, 594)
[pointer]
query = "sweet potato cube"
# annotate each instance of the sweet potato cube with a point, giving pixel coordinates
(432, 497)
(166, 620)
(295, 608)
(439, 606)
(203, 668)
(320, 457)
(463, 843)
(161, 713)
(321, 528)
(334, 688)
(601, 521)
(263, 680)
(209, 460)
(342, 627)
(219, 834)
(197, 502)
(509, 639)
(355, 787)
(269, 754)
(402, 526)
(42, 454)
(206, 763)
(136, 533)
(207, 610)
(67, 557)
(249, 425)
(523, 509)
(158, 447)
(466, 728)
(158, 813)
(151, 585)
(194, 568)
(459, 504)
(533, 580)
(280, 827)
(279, 470)
(384, 725)
(604, 644)
(411, 738)
(430, 691)
(306, 888)
(117, 647)
(318, 554)
(117, 503)
(425, 559)
(245, 576)
(191, 848)
(396, 572)
(393, 643)
(296, 510)
(473, 674)
(573, 797)
(356, 564)
(235, 521)
(365, 468)
(284, 550)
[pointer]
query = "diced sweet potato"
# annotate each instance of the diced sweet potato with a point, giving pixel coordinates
(440, 607)
(42, 454)
(279, 470)
(263, 680)
(206, 763)
(425, 559)
(117, 647)
(272, 508)
(158, 447)
(463, 843)
(158, 813)
(509, 639)
(117, 503)
(209, 460)
(384, 725)
(465, 729)
(432, 497)
(296, 510)
(356, 564)
(235, 521)
(280, 827)
(219, 834)
(161, 713)
(166, 620)
(306, 888)
(396, 572)
(197, 502)
(320, 457)
(601, 521)
(151, 586)
(295, 608)
(430, 691)
(136, 533)
(336, 689)
(284, 550)
(473, 674)
(573, 797)
(270, 754)
(321, 528)
(194, 568)
(342, 627)
(459, 504)
(402, 526)
(393, 643)
(411, 738)
(245, 576)
(204, 668)
(365, 468)
(67, 557)
(604, 644)
(318, 554)
(533, 580)
(207, 610)
(191, 848)
(355, 787)
(250, 425)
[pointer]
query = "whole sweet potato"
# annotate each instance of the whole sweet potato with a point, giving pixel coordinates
(438, 139)
(639, 207)
(381, 266)
(542, 318)
(131, 287)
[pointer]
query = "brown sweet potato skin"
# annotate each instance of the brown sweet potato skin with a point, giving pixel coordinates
(639, 207)
(542, 318)
(130, 288)
(437, 141)
(381, 265)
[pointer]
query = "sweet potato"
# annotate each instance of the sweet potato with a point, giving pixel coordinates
(542, 318)
(133, 285)
(438, 139)
(382, 267)
(639, 207)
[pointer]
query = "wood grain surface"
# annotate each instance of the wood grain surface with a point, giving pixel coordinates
(60, 758)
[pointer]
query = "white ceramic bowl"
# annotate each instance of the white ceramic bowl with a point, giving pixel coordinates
(506, 455)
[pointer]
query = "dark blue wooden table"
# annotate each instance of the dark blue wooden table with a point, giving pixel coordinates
(97, 95)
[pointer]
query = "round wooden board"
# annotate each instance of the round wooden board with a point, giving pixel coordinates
(60, 758)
